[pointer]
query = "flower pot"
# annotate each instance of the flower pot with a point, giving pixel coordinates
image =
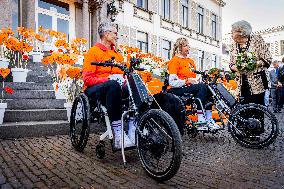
(68, 107)
(58, 92)
(19, 74)
(37, 56)
(4, 63)
(80, 60)
(3, 107)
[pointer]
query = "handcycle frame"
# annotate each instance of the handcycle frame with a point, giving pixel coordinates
(139, 106)
(226, 105)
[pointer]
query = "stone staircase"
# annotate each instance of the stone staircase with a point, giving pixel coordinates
(33, 109)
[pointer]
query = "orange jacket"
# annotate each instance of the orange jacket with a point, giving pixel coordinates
(182, 67)
(93, 75)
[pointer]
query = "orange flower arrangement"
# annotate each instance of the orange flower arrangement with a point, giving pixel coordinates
(4, 72)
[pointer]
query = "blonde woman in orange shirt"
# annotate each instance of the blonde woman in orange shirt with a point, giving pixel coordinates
(183, 80)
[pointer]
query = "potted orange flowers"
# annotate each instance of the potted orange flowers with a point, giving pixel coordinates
(4, 72)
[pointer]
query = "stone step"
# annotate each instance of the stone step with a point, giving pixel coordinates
(35, 115)
(25, 104)
(33, 129)
(31, 94)
(29, 86)
(41, 128)
(39, 79)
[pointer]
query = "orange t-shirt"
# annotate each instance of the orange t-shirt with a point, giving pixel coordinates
(93, 74)
(182, 67)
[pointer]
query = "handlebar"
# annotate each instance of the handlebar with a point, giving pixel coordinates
(133, 63)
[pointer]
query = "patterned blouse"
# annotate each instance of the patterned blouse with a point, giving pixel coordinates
(255, 78)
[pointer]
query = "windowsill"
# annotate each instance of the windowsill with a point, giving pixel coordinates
(143, 9)
(167, 20)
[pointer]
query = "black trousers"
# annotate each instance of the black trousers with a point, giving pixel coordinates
(198, 90)
(110, 95)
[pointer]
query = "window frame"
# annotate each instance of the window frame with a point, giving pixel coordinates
(214, 26)
(141, 43)
(144, 4)
(200, 16)
(166, 14)
(164, 48)
(184, 8)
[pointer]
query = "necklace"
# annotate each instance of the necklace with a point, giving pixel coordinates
(243, 49)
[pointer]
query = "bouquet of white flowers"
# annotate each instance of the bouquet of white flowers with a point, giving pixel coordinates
(246, 61)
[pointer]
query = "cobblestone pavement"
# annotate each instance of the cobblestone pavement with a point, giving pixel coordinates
(209, 162)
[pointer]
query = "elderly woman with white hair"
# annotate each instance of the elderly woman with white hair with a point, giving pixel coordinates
(252, 83)
(250, 58)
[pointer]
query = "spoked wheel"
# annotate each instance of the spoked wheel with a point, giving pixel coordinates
(253, 126)
(159, 144)
(80, 122)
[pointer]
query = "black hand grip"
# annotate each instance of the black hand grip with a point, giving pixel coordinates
(198, 72)
(140, 69)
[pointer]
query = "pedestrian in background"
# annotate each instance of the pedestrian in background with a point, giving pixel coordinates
(273, 74)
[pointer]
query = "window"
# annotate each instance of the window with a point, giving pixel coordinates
(16, 15)
(142, 4)
(166, 9)
(142, 41)
(200, 59)
(282, 46)
(54, 15)
(214, 61)
(184, 7)
(200, 19)
(214, 26)
(60, 7)
(166, 49)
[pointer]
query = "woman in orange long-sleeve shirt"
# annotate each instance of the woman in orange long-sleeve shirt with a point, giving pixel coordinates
(183, 80)
(100, 85)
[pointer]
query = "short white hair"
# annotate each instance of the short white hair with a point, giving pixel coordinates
(243, 26)
(104, 27)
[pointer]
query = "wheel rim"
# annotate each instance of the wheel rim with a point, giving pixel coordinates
(77, 121)
(155, 146)
(254, 125)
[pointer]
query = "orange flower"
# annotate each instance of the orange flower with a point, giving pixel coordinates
(47, 60)
(4, 72)
(3, 37)
(74, 72)
(40, 37)
(61, 43)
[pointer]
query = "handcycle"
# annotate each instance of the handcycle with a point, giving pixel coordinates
(250, 125)
(158, 140)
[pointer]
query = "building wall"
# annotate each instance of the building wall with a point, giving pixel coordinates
(5, 14)
(132, 19)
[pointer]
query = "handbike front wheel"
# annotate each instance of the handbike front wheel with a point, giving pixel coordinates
(159, 144)
(80, 122)
(253, 126)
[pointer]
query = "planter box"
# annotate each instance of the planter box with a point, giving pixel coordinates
(3, 107)
(37, 56)
(19, 74)
(68, 107)
(4, 63)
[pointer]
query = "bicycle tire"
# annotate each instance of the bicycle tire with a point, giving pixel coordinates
(243, 140)
(79, 134)
(155, 143)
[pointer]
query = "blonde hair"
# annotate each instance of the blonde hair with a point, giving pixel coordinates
(178, 45)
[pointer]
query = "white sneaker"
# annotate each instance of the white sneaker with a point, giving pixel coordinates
(213, 125)
(117, 141)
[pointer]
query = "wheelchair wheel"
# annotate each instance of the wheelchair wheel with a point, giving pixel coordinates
(159, 144)
(253, 126)
(80, 122)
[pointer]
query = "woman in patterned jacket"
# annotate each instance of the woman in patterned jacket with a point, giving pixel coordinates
(251, 85)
